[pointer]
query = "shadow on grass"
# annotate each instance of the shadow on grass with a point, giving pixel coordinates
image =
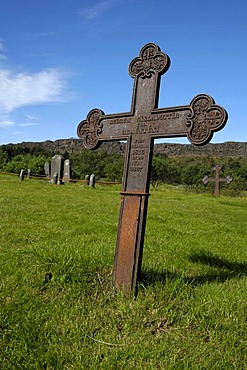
(222, 270)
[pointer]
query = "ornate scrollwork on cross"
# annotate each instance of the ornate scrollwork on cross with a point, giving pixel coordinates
(205, 118)
(90, 129)
(150, 60)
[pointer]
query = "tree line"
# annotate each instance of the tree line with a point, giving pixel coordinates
(187, 171)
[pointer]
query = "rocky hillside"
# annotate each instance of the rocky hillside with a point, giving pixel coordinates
(226, 150)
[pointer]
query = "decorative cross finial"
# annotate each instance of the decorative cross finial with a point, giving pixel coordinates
(206, 117)
(150, 60)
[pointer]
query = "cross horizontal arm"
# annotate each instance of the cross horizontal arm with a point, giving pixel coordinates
(99, 127)
(207, 179)
(197, 121)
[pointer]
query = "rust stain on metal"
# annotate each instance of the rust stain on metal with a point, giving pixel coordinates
(125, 256)
(145, 122)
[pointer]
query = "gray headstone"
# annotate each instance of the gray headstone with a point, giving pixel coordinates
(47, 169)
(21, 176)
(92, 181)
(57, 166)
(87, 178)
(67, 170)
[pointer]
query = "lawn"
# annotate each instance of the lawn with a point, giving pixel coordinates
(58, 309)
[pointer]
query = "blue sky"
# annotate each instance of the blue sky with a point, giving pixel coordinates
(61, 58)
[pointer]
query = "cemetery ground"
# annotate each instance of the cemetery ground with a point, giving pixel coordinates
(58, 309)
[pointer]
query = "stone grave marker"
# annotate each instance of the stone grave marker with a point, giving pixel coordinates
(47, 169)
(140, 127)
(92, 181)
(67, 170)
(217, 180)
(57, 162)
(21, 176)
(87, 180)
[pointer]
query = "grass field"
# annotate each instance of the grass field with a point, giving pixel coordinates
(58, 309)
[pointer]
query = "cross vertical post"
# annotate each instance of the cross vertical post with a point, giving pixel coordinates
(140, 127)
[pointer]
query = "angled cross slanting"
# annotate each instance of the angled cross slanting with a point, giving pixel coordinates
(140, 127)
(217, 180)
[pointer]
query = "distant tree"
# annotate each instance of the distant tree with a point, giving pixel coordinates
(194, 170)
(113, 170)
(3, 159)
(99, 162)
(21, 161)
(17, 163)
(160, 170)
(36, 164)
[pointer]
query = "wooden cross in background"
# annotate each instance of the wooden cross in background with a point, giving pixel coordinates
(140, 127)
(217, 180)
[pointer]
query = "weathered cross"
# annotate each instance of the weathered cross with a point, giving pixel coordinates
(217, 180)
(140, 127)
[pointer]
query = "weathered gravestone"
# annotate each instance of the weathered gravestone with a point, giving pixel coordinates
(217, 180)
(57, 167)
(47, 169)
(87, 180)
(21, 176)
(67, 170)
(140, 127)
(92, 181)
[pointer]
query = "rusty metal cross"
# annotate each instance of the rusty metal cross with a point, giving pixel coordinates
(217, 180)
(140, 127)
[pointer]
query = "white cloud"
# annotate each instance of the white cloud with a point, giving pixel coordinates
(30, 120)
(6, 123)
(26, 124)
(96, 10)
(22, 89)
(31, 117)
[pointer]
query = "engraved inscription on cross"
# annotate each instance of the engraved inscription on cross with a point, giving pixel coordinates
(140, 127)
(217, 180)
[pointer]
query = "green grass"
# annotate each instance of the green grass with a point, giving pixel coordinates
(59, 310)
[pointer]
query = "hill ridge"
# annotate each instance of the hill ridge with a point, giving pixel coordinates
(229, 149)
